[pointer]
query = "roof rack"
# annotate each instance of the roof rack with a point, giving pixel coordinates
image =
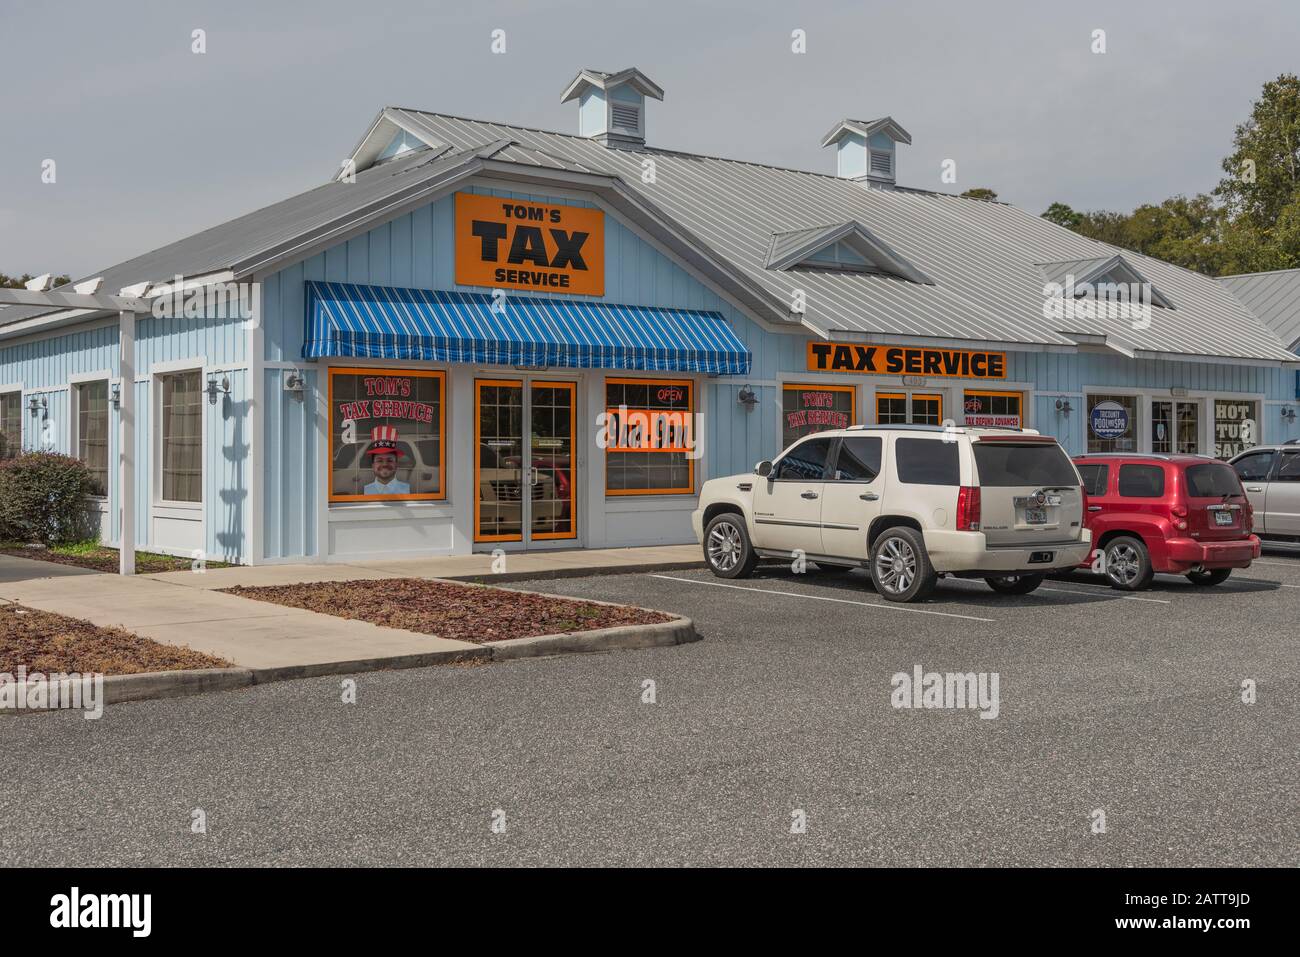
(934, 428)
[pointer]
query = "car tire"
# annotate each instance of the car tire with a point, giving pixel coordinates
(900, 565)
(1213, 576)
(727, 550)
(829, 569)
(1128, 563)
(1014, 584)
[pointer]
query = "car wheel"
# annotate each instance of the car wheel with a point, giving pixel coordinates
(828, 569)
(900, 565)
(1214, 576)
(1015, 584)
(1128, 564)
(726, 547)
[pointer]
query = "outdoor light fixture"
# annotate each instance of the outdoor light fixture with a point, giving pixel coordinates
(115, 395)
(294, 381)
(1063, 406)
(747, 398)
(1288, 413)
(37, 404)
(215, 390)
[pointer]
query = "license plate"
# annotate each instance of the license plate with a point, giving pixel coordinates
(1035, 516)
(1222, 518)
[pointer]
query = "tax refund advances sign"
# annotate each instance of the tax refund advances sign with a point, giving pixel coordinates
(517, 244)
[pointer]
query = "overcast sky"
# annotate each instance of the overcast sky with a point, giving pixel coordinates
(153, 142)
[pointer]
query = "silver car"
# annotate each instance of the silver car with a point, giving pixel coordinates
(1271, 475)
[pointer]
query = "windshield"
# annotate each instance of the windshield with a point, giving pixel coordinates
(1007, 465)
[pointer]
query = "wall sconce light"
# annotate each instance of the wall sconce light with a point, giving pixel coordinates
(37, 405)
(1063, 406)
(1288, 413)
(747, 398)
(294, 381)
(115, 395)
(214, 389)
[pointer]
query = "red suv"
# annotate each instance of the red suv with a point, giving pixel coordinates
(1182, 514)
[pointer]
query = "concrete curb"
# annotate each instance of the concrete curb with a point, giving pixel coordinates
(175, 684)
(679, 631)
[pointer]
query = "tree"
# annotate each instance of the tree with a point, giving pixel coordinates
(1264, 167)
(1063, 215)
(980, 192)
(17, 282)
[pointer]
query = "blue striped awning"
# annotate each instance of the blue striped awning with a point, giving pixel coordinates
(378, 322)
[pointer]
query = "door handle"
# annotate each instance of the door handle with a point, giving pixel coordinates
(1254, 488)
(869, 497)
(808, 495)
(1094, 508)
(534, 476)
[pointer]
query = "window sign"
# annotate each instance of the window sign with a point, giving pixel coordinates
(386, 435)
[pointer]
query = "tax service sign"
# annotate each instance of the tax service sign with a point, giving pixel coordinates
(520, 244)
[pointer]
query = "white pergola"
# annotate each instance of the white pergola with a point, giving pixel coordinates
(128, 304)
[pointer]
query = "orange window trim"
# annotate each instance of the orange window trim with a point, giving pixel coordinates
(690, 462)
(441, 376)
(573, 466)
(478, 489)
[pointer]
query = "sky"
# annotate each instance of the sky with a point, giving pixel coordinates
(152, 142)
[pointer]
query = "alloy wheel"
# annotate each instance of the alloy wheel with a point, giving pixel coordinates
(895, 566)
(1123, 564)
(725, 546)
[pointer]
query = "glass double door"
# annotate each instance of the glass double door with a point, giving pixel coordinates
(525, 466)
(1175, 427)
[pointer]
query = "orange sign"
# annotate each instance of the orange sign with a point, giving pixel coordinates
(905, 360)
(519, 244)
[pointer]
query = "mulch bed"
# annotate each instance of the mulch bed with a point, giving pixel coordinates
(46, 642)
(105, 559)
(464, 612)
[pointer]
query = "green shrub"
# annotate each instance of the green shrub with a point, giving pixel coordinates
(44, 497)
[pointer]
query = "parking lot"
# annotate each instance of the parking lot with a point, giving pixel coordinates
(1127, 705)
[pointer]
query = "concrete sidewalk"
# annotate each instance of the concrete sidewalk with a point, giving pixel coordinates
(185, 608)
(559, 563)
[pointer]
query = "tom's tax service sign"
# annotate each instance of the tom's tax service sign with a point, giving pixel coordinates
(525, 245)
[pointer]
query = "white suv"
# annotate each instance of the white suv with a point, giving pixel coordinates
(910, 503)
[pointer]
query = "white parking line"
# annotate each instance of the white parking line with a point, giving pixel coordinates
(842, 601)
(1282, 564)
(1067, 591)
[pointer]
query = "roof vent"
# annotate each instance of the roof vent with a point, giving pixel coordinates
(611, 106)
(866, 150)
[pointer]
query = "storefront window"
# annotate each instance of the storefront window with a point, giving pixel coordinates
(904, 408)
(1236, 426)
(182, 436)
(92, 432)
(1112, 423)
(651, 436)
(891, 408)
(806, 409)
(993, 409)
(386, 435)
(1175, 427)
(927, 409)
(11, 425)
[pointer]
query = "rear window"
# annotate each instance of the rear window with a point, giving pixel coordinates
(1212, 480)
(1007, 465)
(1096, 478)
(1141, 481)
(927, 462)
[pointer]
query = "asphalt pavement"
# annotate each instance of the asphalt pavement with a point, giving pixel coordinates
(1126, 705)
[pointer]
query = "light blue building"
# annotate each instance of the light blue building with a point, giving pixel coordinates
(479, 336)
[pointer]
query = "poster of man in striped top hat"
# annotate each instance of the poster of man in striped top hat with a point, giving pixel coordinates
(384, 451)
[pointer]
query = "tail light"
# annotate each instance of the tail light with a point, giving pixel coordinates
(1180, 517)
(968, 508)
(1248, 515)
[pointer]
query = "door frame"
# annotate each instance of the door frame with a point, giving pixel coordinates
(527, 538)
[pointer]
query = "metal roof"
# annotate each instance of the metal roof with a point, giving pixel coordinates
(982, 257)
(1274, 297)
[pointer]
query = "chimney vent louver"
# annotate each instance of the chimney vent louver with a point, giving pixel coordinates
(611, 106)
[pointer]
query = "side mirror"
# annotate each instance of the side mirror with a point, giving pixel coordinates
(763, 469)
